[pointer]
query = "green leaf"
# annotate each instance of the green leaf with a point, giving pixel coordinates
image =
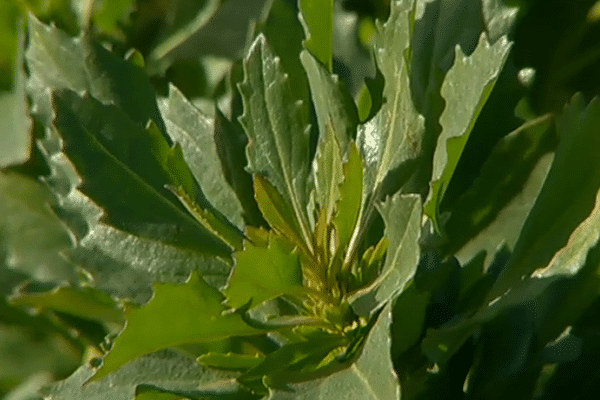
(317, 20)
(231, 146)
(466, 88)
(402, 217)
(351, 194)
(186, 19)
(124, 170)
(190, 128)
(438, 27)
(263, 273)
(32, 236)
(409, 312)
(278, 212)
(394, 135)
(294, 361)
(333, 104)
(57, 61)
(277, 127)
(230, 361)
(165, 322)
(328, 171)
(165, 371)
(15, 124)
(568, 195)
(371, 376)
(496, 206)
(83, 302)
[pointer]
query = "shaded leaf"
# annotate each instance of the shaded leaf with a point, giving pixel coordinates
(317, 20)
(568, 195)
(177, 314)
(466, 88)
(263, 273)
(277, 127)
(164, 371)
(402, 217)
(371, 376)
(495, 208)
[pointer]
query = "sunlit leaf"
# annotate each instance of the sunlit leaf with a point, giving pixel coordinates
(177, 314)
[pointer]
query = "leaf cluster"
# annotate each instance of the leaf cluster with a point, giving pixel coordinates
(294, 230)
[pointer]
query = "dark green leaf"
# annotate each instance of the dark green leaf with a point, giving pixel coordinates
(466, 88)
(494, 209)
(57, 61)
(277, 126)
(402, 216)
(317, 19)
(568, 196)
(371, 376)
(125, 168)
(177, 314)
(263, 273)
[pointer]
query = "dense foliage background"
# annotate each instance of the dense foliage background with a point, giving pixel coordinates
(197, 46)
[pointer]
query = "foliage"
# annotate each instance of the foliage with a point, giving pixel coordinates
(178, 223)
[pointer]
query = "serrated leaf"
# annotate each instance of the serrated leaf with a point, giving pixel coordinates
(466, 88)
(277, 127)
(394, 135)
(190, 128)
(177, 314)
(438, 27)
(124, 169)
(15, 123)
(57, 61)
(165, 371)
(568, 194)
(317, 20)
(263, 273)
(370, 377)
(402, 216)
(278, 212)
(351, 194)
(32, 236)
